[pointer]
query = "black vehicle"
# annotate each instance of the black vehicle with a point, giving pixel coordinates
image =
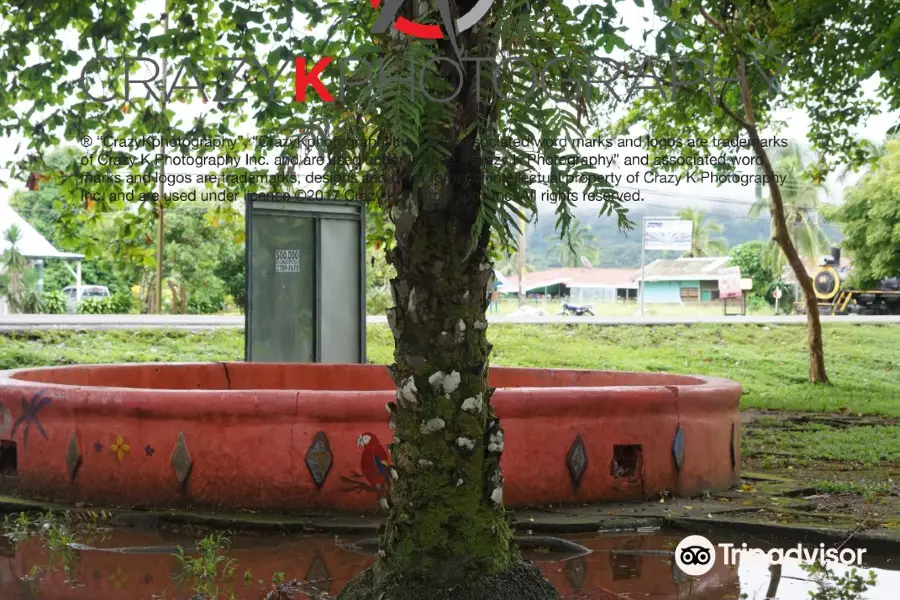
(574, 310)
(834, 297)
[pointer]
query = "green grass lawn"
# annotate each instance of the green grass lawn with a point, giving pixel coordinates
(770, 361)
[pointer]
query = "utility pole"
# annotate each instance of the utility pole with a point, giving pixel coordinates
(160, 230)
(643, 247)
(521, 261)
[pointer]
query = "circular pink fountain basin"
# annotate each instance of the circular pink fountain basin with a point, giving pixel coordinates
(288, 437)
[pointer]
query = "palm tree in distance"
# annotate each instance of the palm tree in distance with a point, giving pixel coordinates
(801, 206)
(873, 151)
(701, 230)
(580, 241)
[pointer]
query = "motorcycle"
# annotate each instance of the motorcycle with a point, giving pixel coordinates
(574, 310)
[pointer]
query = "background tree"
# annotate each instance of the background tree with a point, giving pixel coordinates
(578, 242)
(749, 256)
(744, 48)
(870, 220)
(800, 199)
(875, 151)
(198, 239)
(701, 229)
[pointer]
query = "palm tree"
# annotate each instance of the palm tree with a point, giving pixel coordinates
(14, 266)
(801, 205)
(701, 229)
(510, 265)
(511, 260)
(579, 242)
(873, 151)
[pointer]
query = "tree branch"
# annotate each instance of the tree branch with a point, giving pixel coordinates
(712, 21)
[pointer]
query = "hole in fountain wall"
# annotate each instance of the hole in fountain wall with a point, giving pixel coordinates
(626, 463)
(8, 458)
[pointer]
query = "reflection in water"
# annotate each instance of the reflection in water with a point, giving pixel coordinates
(636, 567)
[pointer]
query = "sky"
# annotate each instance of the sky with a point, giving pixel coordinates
(726, 199)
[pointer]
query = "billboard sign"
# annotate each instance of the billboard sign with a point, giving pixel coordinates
(667, 234)
(730, 284)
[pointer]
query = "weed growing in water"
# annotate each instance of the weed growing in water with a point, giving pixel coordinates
(209, 568)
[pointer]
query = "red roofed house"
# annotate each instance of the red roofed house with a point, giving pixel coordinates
(579, 284)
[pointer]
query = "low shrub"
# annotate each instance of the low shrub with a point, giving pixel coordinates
(96, 306)
(53, 303)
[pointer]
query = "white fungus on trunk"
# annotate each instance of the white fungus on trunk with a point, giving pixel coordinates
(462, 325)
(480, 325)
(451, 382)
(432, 425)
(408, 390)
(394, 475)
(425, 463)
(459, 482)
(472, 405)
(466, 443)
(496, 442)
(497, 495)
(441, 381)
(436, 380)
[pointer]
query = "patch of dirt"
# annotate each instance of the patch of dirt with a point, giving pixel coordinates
(838, 419)
(875, 500)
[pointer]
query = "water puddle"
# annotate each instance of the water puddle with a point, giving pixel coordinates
(122, 565)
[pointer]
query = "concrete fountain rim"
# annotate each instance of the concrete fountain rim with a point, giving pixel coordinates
(678, 381)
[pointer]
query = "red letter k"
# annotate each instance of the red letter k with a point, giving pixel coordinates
(303, 79)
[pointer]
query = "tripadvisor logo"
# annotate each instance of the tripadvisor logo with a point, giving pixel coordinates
(452, 26)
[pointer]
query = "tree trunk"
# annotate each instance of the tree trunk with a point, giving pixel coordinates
(772, 592)
(447, 528)
(174, 289)
(447, 505)
(782, 237)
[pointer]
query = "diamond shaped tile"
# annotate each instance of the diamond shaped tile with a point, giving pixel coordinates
(678, 446)
(181, 459)
(73, 457)
(576, 460)
(575, 571)
(319, 459)
(318, 575)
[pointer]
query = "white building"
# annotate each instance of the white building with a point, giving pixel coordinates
(32, 245)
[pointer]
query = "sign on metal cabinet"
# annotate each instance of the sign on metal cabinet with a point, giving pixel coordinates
(287, 261)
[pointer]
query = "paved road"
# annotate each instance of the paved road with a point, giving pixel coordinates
(30, 322)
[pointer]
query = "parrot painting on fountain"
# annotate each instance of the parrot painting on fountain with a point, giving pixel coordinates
(374, 464)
